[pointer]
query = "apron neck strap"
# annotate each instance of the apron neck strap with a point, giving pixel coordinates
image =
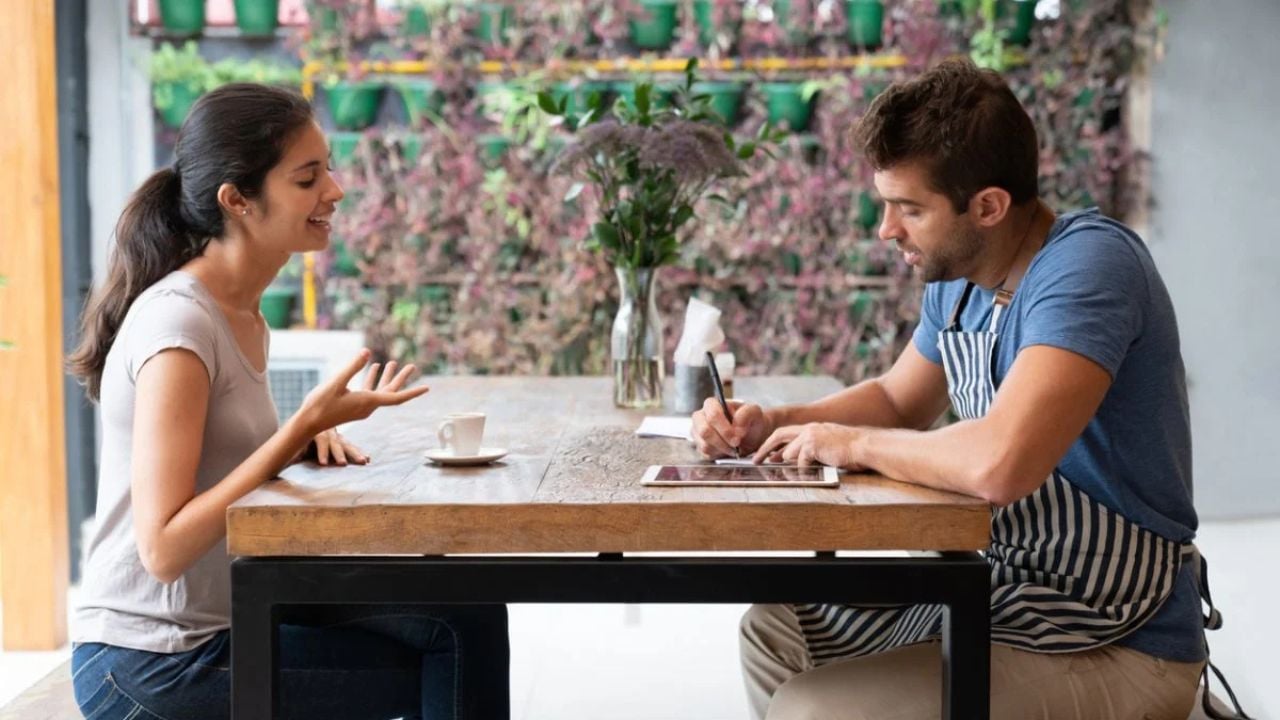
(1001, 300)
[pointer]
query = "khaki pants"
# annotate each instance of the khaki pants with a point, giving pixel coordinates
(1110, 683)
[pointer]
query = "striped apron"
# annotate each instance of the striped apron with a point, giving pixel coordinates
(1067, 573)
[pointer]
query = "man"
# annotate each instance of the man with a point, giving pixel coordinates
(1054, 340)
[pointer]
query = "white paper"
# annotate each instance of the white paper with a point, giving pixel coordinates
(701, 333)
(673, 427)
(746, 461)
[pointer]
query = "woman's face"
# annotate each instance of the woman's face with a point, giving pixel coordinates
(298, 197)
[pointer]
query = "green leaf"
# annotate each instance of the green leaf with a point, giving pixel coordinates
(548, 104)
(716, 197)
(642, 97)
(574, 191)
(729, 142)
(606, 234)
(682, 216)
(746, 151)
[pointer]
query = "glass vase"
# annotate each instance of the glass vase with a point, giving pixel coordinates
(636, 340)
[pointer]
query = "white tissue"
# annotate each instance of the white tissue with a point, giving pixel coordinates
(701, 333)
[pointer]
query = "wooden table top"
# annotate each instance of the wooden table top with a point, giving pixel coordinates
(571, 483)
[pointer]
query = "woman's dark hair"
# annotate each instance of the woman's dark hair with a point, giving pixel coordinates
(963, 124)
(234, 134)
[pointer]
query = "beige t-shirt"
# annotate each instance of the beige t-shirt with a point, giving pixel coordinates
(121, 603)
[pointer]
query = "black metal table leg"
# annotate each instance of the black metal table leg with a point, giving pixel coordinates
(966, 644)
(255, 641)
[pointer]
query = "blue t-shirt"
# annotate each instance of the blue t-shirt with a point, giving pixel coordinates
(1093, 289)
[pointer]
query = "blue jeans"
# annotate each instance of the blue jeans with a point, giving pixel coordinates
(360, 663)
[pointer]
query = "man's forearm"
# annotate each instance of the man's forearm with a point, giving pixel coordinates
(865, 404)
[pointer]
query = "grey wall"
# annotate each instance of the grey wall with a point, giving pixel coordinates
(1215, 234)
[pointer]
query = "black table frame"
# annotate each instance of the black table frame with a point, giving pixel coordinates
(263, 586)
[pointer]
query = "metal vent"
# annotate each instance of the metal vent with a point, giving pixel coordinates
(289, 386)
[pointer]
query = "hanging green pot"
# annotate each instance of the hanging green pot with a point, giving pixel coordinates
(726, 98)
(417, 23)
(1024, 16)
(354, 105)
(277, 305)
(178, 99)
(655, 29)
(787, 104)
(182, 17)
(797, 34)
(705, 16)
(866, 22)
(495, 20)
(423, 101)
(342, 147)
(257, 17)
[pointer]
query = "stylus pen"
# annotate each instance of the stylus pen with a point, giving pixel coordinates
(715, 382)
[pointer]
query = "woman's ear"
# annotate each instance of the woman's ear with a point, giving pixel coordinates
(232, 202)
(990, 206)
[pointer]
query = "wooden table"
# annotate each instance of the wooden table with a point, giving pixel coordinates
(571, 485)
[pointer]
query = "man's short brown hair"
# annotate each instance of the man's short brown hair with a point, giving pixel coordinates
(963, 124)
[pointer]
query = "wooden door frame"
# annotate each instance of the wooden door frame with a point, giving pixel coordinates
(33, 494)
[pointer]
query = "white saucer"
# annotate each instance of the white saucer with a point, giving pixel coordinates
(440, 456)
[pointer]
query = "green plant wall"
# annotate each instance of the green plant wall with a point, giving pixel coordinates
(456, 250)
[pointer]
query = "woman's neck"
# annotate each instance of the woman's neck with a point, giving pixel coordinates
(233, 274)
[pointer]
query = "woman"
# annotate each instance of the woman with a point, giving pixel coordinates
(175, 351)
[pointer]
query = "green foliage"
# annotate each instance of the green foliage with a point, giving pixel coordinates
(986, 47)
(649, 163)
(469, 263)
(233, 70)
(170, 66)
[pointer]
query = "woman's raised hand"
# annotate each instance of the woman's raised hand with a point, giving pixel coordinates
(332, 403)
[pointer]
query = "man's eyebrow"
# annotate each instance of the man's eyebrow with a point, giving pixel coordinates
(903, 201)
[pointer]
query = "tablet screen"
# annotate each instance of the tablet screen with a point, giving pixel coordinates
(741, 475)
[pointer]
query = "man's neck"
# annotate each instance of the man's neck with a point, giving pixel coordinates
(1016, 243)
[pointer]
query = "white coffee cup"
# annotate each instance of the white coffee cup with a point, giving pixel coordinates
(460, 433)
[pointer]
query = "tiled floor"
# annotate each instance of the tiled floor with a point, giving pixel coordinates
(667, 662)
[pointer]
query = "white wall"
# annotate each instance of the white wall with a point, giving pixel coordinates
(121, 148)
(1216, 112)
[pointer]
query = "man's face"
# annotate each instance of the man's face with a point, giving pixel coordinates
(932, 236)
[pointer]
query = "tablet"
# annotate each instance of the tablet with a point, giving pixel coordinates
(751, 476)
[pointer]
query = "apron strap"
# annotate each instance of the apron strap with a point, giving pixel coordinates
(998, 303)
(954, 322)
(1212, 621)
